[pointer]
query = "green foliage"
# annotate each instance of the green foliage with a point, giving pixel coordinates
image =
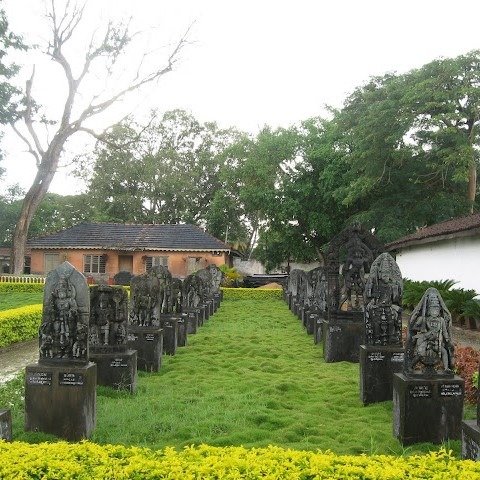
(413, 291)
(231, 277)
(19, 324)
(252, 293)
(21, 287)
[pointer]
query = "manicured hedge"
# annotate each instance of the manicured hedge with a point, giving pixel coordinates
(90, 461)
(20, 287)
(251, 293)
(19, 324)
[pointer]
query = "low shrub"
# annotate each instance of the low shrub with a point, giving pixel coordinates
(467, 361)
(251, 293)
(90, 461)
(19, 324)
(20, 287)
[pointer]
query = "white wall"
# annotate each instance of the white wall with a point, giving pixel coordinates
(248, 267)
(457, 259)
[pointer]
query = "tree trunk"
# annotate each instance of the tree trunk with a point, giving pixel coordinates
(34, 196)
(472, 184)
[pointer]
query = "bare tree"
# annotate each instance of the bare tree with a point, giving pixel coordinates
(108, 49)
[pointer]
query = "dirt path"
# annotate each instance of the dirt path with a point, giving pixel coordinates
(16, 357)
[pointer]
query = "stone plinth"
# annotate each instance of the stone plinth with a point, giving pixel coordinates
(311, 322)
(148, 342)
(470, 440)
(427, 409)
(117, 370)
(61, 400)
(377, 366)
(317, 333)
(169, 326)
(6, 425)
(342, 336)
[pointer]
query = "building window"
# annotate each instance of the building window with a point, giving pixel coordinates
(94, 263)
(26, 265)
(52, 261)
(158, 261)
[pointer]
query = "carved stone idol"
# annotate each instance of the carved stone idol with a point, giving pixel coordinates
(108, 319)
(193, 290)
(176, 295)
(429, 350)
(383, 300)
(66, 305)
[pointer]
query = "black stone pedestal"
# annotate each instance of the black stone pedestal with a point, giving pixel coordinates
(377, 366)
(148, 342)
(310, 322)
(169, 326)
(206, 311)
(317, 333)
(427, 409)
(61, 399)
(182, 331)
(470, 440)
(217, 298)
(191, 319)
(5, 425)
(342, 336)
(116, 369)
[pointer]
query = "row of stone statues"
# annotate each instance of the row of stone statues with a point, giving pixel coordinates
(75, 318)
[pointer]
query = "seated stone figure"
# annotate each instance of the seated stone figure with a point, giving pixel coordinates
(429, 348)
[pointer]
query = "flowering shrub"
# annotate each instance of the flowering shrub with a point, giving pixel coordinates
(467, 361)
(90, 461)
(19, 324)
(251, 293)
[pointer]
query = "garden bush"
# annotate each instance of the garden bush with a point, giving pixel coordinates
(467, 361)
(21, 287)
(251, 293)
(90, 461)
(19, 324)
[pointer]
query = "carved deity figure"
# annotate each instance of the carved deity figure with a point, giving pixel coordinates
(430, 350)
(143, 301)
(108, 317)
(318, 302)
(176, 295)
(357, 262)
(383, 299)
(193, 290)
(64, 325)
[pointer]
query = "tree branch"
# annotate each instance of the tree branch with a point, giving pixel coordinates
(29, 145)
(28, 115)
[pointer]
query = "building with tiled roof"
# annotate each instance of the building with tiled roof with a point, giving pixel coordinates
(446, 250)
(101, 250)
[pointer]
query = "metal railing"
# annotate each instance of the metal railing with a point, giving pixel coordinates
(7, 277)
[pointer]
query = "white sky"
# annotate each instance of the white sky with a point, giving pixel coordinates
(254, 62)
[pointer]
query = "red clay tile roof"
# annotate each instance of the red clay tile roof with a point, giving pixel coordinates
(460, 226)
(119, 236)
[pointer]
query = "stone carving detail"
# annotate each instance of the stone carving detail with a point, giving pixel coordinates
(317, 290)
(429, 350)
(212, 278)
(294, 282)
(176, 295)
(66, 305)
(108, 319)
(383, 300)
(150, 295)
(348, 260)
(193, 291)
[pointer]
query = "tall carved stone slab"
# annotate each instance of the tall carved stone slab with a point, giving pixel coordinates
(6, 425)
(427, 396)
(150, 297)
(383, 354)
(348, 261)
(60, 390)
(108, 338)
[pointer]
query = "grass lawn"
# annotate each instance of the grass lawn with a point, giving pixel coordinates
(251, 376)
(10, 300)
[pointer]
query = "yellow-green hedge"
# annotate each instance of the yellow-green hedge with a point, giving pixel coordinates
(86, 460)
(19, 324)
(21, 287)
(251, 293)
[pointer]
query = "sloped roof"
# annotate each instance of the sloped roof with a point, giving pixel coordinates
(119, 236)
(455, 227)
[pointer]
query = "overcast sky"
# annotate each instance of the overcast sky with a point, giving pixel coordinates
(253, 63)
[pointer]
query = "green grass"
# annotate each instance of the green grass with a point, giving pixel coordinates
(251, 376)
(10, 300)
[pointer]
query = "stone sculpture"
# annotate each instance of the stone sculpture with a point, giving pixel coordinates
(108, 318)
(429, 350)
(383, 299)
(63, 334)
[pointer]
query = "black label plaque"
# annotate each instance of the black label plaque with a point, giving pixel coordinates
(398, 357)
(39, 378)
(132, 337)
(420, 391)
(150, 337)
(70, 379)
(376, 356)
(451, 390)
